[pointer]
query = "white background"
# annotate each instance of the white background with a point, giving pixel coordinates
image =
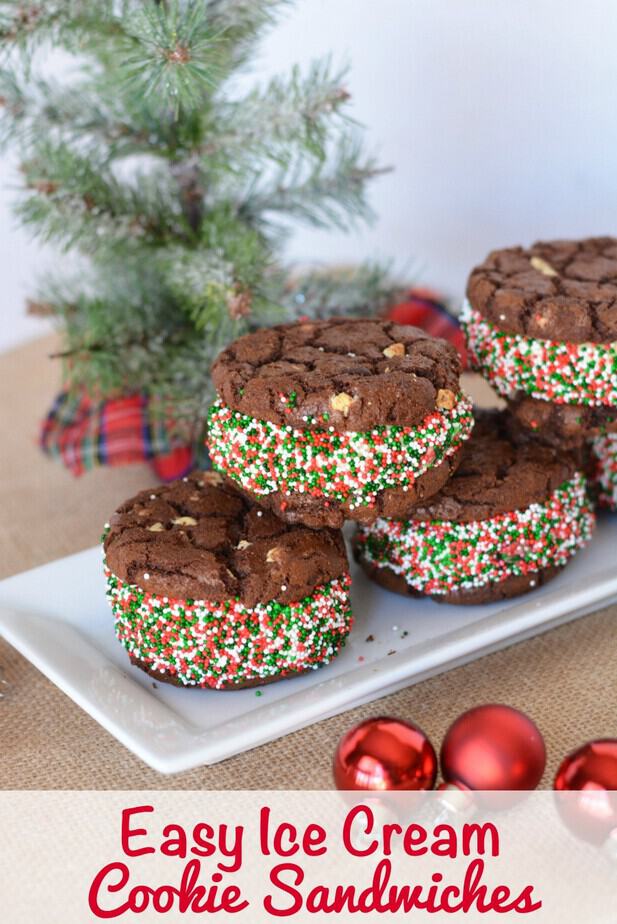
(498, 115)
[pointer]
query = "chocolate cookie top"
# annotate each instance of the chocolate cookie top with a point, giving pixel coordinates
(500, 470)
(347, 374)
(555, 290)
(200, 539)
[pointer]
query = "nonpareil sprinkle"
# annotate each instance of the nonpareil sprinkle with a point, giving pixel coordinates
(441, 557)
(565, 373)
(207, 644)
(265, 458)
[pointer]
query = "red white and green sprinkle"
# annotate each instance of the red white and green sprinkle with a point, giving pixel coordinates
(604, 449)
(346, 466)
(440, 556)
(566, 373)
(206, 644)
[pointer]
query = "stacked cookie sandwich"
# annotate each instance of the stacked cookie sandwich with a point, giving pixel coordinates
(239, 576)
(332, 420)
(512, 515)
(209, 590)
(541, 326)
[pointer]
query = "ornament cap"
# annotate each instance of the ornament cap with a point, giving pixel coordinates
(455, 798)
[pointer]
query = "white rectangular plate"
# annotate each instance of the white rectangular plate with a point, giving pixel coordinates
(58, 618)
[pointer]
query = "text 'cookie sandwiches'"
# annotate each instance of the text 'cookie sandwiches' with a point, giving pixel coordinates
(327, 420)
(209, 590)
(512, 515)
(541, 327)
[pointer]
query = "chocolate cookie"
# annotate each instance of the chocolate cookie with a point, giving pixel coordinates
(210, 590)
(541, 326)
(327, 420)
(603, 470)
(563, 426)
(513, 514)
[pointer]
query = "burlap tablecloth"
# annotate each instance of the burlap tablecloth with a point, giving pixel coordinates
(565, 679)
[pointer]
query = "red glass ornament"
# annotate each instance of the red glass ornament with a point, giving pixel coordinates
(493, 747)
(591, 773)
(592, 766)
(385, 754)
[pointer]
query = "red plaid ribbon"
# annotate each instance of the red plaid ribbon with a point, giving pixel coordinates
(84, 434)
(424, 309)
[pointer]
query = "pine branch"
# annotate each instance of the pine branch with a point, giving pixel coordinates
(330, 193)
(121, 332)
(125, 295)
(44, 109)
(284, 117)
(356, 291)
(76, 201)
(172, 368)
(243, 17)
(26, 24)
(102, 116)
(172, 53)
(20, 21)
(206, 284)
(242, 23)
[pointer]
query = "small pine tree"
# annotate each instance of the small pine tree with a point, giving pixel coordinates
(176, 185)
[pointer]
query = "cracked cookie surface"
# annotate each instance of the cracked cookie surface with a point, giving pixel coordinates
(347, 374)
(554, 290)
(500, 470)
(199, 538)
